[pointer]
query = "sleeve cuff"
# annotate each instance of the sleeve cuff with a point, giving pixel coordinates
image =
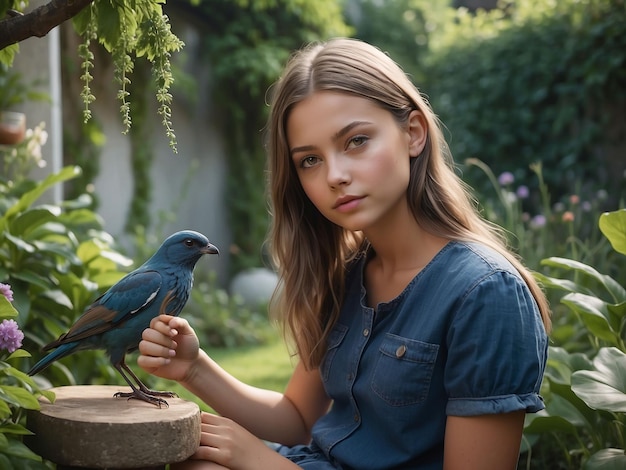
(530, 402)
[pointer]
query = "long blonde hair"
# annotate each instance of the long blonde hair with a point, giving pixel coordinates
(310, 252)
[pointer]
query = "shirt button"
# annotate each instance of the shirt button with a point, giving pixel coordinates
(356, 418)
(400, 351)
(366, 332)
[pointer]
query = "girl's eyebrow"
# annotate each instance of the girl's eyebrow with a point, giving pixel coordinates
(338, 135)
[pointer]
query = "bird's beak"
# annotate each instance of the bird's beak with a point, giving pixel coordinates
(210, 250)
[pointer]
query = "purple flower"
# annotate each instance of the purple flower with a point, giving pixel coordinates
(5, 290)
(506, 178)
(522, 192)
(538, 221)
(10, 335)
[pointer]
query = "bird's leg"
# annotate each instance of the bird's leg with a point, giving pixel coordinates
(143, 388)
(141, 392)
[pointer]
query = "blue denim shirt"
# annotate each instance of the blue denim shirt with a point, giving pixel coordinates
(464, 338)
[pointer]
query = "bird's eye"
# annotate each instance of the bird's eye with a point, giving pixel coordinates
(188, 242)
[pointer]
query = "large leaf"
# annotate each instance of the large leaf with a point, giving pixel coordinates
(605, 387)
(613, 226)
(595, 315)
(35, 217)
(611, 285)
(559, 416)
(607, 459)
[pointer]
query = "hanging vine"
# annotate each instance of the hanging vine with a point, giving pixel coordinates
(129, 30)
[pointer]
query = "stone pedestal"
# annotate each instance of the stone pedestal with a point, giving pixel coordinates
(86, 427)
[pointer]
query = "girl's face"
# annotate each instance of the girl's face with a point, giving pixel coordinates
(352, 158)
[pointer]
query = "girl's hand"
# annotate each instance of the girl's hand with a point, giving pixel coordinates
(225, 442)
(168, 348)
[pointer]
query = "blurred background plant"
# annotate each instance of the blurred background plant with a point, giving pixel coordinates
(18, 391)
(584, 422)
(537, 226)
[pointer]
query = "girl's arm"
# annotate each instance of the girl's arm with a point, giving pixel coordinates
(170, 349)
(488, 442)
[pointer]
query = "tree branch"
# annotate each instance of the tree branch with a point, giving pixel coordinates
(40, 21)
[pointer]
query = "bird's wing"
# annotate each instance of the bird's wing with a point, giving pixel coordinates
(130, 295)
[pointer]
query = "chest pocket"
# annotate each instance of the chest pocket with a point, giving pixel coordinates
(403, 370)
(335, 338)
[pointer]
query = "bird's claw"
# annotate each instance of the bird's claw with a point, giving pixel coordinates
(149, 396)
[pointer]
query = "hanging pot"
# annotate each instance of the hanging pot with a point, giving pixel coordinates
(12, 127)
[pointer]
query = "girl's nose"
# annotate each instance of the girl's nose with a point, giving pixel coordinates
(338, 172)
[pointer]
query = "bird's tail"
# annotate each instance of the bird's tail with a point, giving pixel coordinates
(61, 351)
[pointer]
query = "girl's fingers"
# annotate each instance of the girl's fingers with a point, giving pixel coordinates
(151, 335)
(151, 363)
(154, 349)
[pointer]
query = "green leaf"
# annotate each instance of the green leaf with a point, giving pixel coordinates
(12, 428)
(604, 388)
(607, 459)
(59, 298)
(19, 397)
(6, 308)
(556, 283)
(18, 449)
(610, 284)
(542, 422)
(64, 252)
(19, 243)
(33, 278)
(19, 353)
(613, 226)
(30, 219)
(5, 411)
(595, 315)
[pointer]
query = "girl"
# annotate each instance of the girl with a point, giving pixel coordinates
(421, 341)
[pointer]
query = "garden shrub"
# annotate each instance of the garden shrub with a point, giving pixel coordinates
(536, 81)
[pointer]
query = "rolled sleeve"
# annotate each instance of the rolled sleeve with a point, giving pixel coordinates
(497, 349)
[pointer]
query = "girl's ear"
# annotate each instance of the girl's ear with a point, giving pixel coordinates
(418, 132)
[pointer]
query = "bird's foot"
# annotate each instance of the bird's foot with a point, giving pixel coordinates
(150, 396)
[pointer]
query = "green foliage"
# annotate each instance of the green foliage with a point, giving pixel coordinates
(14, 90)
(222, 320)
(247, 44)
(55, 258)
(399, 27)
(127, 30)
(584, 384)
(18, 393)
(536, 80)
(563, 228)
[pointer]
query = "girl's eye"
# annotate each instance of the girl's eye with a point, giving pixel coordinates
(308, 161)
(357, 141)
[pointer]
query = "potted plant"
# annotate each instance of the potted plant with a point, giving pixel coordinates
(13, 92)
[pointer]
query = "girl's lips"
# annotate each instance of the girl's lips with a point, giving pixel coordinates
(347, 203)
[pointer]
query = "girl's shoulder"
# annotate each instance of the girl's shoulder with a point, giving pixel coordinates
(477, 257)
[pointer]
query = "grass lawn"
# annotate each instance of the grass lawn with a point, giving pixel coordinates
(267, 366)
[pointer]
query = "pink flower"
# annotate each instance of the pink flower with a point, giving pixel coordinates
(5, 290)
(568, 216)
(10, 335)
(574, 199)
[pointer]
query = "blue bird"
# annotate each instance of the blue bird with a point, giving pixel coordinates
(115, 320)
